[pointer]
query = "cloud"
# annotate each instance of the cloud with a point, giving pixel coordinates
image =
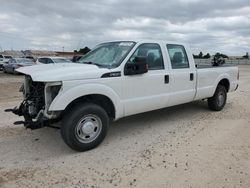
(210, 26)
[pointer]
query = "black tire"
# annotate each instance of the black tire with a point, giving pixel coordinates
(14, 72)
(218, 101)
(84, 117)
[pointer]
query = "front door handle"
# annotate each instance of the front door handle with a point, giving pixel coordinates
(191, 76)
(166, 79)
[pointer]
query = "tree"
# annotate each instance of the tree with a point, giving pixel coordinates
(224, 56)
(195, 56)
(200, 55)
(83, 50)
(246, 56)
(207, 56)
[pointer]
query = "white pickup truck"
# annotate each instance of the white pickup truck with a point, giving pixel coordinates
(114, 80)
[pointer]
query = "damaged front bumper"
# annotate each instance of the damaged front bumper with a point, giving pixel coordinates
(32, 123)
(35, 107)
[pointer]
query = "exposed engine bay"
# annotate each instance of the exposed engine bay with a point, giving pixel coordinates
(37, 99)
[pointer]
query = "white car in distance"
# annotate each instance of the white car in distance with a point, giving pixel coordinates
(51, 60)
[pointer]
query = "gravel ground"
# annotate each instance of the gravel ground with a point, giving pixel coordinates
(182, 146)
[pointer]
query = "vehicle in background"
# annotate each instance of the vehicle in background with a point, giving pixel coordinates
(30, 57)
(76, 58)
(4, 59)
(15, 63)
(49, 60)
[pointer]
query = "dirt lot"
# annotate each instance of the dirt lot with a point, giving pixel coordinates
(183, 146)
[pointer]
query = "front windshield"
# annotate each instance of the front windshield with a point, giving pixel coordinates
(108, 54)
(61, 60)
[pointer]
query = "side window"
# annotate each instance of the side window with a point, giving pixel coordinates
(178, 56)
(49, 61)
(45, 60)
(152, 53)
(41, 60)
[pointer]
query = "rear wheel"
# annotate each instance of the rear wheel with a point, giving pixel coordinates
(218, 101)
(84, 126)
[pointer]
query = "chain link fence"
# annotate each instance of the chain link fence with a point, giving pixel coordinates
(228, 61)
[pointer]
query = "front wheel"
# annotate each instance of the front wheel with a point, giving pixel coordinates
(218, 101)
(84, 126)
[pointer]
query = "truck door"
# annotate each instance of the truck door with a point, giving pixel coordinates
(148, 91)
(182, 75)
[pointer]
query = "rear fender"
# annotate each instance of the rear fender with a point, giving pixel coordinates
(217, 81)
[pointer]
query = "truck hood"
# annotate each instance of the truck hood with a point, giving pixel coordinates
(62, 72)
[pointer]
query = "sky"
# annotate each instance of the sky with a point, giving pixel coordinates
(205, 25)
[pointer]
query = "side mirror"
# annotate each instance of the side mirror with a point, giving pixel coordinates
(139, 66)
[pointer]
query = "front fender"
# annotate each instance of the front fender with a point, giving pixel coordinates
(65, 97)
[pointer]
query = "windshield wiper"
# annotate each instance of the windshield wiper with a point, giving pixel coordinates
(92, 63)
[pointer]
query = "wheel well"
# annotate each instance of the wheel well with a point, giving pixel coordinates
(224, 82)
(98, 99)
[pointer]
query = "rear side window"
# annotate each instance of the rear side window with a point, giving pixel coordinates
(178, 56)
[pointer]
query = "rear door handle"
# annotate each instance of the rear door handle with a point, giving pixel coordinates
(191, 76)
(166, 79)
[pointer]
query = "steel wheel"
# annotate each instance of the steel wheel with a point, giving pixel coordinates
(221, 98)
(88, 128)
(84, 126)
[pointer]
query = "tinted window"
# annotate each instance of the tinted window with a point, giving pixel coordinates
(43, 60)
(152, 53)
(49, 61)
(178, 56)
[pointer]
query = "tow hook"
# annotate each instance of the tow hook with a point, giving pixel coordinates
(13, 110)
(28, 123)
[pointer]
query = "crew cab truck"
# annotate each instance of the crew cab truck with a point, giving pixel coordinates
(114, 80)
